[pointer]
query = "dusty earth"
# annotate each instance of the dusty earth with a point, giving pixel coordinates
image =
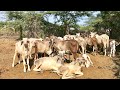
(104, 67)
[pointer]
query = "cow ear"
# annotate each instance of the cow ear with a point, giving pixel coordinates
(21, 42)
(117, 43)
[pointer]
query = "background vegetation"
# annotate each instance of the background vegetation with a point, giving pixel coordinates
(36, 24)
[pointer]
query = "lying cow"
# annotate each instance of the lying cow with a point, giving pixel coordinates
(73, 69)
(48, 63)
(70, 70)
(87, 61)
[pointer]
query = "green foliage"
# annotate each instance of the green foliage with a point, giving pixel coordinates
(111, 20)
(87, 28)
(25, 21)
(13, 15)
(92, 23)
(2, 24)
(68, 18)
(33, 23)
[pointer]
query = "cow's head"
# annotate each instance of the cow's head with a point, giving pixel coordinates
(25, 43)
(92, 34)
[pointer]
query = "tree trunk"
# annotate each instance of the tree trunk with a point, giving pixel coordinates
(111, 34)
(67, 29)
(21, 33)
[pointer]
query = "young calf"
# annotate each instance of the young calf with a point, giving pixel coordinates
(70, 70)
(73, 69)
(22, 48)
(113, 45)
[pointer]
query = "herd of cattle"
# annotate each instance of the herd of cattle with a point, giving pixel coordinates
(58, 48)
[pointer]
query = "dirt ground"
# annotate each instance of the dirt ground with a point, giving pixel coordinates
(104, 67)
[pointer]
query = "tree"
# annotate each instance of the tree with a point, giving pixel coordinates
(111, 20)
(29, 21)
(68, 18)
(17, 17)
(35, 25)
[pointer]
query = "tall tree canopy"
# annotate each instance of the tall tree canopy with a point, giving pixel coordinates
(34, 21)
(111, 21)
(68, 18)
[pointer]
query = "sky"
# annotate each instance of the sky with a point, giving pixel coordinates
(2, 16)
(51, 19)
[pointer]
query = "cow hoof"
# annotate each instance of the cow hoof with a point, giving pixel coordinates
(29, 70)
(19, 62)
(13, 65)
(36, 70)
(24, 70)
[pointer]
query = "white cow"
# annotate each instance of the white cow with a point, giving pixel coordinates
(22, 48)
(70, 70)
(101, 39)
(113, 45)
(48, 63)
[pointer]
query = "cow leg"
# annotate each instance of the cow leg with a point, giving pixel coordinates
(36, 56)
(113, 53)
(80, 50)
(30, 51)
(105, 51)
(64, 74)
(83, 50)
(55, 71)
(110, 52)
(90, 60)
(14, 59)
(28, 64)
(30, 54)
(58, 73)
(95, 49)
(68, 76)
(44, 54)
(69, 56)
(78, 73)
(36, 69)
(18, 55)
(24, 63)
(75, 56)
